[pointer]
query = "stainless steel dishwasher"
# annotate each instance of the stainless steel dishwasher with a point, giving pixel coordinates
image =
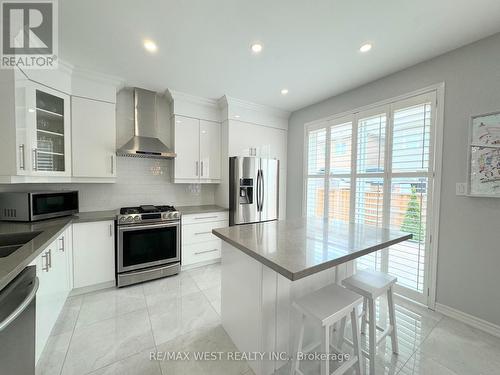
(17, 324)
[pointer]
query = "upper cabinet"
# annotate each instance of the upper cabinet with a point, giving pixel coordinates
(197, 144)
(50, 128)
(36, 123)
(36, 130)
(94, 138)
(210, 155)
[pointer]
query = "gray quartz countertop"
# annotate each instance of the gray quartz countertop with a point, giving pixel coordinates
(187, 210)
(85, 217)
(46, 232)
(302, 247)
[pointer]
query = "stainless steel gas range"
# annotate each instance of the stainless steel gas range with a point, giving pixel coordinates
(147, 244)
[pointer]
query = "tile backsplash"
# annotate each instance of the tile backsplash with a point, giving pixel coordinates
(139, 181)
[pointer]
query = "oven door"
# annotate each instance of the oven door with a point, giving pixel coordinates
(142, 246)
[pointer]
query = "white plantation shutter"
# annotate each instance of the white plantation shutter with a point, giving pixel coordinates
(375, 168)
(411, 135)
(408, 214)
(339, 199)
(371, 144)
(340, 148)
(316, 170)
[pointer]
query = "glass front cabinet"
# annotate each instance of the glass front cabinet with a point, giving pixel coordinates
(48, 132)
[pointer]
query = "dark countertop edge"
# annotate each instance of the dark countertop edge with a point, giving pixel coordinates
(4, 281)
(281, 270)
(75, 219)
(201, 209)
(293, 276)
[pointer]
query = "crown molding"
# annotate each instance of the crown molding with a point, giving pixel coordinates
(229, 101)
(241, 110)
(95, 76)
(193, 99)
(188, 105)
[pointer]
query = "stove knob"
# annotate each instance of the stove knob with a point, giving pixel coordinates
(165, 216)
(176, 215)
(122, 220)
(169, 215)
(137, 219)
(129, 219)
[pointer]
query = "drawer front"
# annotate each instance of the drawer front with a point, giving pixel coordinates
(201, 252)
(202, 232)
(204, 218)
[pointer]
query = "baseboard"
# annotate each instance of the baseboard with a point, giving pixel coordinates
(92, 288)
(471, 320)
(200, 264)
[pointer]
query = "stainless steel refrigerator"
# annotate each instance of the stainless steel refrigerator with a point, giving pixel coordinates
(253, 190)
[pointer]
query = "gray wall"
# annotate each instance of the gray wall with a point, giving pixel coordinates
(139, 181)
(469, 239)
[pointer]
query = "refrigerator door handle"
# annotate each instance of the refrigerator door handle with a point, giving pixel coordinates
(258, 190)
(262, 191)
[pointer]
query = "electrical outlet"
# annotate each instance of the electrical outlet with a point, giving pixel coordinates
(461, 188)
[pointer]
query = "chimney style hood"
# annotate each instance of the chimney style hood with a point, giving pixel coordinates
(145, 142)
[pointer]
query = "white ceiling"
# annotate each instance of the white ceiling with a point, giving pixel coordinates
(310, 46)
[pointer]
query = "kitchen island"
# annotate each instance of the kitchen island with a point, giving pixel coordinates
(266, 266)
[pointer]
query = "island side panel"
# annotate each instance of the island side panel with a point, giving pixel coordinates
(256, 308)
(288, 320)
(241, 305)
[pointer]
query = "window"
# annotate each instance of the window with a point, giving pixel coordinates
(375, 168)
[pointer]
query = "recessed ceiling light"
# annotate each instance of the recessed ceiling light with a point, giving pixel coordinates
(236, 116)
(256, 48)
(31, 110)
(284, 91)
(365, 47)
(150, 46)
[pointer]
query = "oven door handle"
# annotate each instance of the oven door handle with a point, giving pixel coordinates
(123, 228)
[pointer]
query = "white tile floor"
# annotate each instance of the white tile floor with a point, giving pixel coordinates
(113, 332)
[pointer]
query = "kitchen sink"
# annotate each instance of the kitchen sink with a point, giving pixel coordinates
(13, 241)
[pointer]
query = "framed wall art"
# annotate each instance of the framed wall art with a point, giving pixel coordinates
(484, 156)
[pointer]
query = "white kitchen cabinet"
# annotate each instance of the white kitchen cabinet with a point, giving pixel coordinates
(93, 253)
(93, 126)
(35, 126)
(51, 131)
(53, 272)
(187, 148)
(210, 154)
(199, 245)
(197, 144)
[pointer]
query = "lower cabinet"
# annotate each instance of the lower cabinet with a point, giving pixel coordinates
(198, 243)
(93, 253)
(54, 274)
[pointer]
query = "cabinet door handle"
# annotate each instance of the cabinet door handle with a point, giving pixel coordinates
(62, 244)
(35, 159)
(111, 230)
(206, 251)
(201, 169)
(21, 159)
(46, 257)
(50, 258)
(200, 233)
(206, 217)
(112, 164)
(196, 168)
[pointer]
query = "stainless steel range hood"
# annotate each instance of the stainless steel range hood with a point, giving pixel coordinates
(145, 142)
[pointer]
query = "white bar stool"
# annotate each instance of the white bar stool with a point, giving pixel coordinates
(328, 306)
(371, 285)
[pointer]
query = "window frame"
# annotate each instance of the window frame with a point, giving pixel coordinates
(433, 94)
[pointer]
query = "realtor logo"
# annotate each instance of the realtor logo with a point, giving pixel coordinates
(29, 34)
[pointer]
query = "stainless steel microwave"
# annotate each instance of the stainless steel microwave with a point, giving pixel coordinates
(33, 206)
